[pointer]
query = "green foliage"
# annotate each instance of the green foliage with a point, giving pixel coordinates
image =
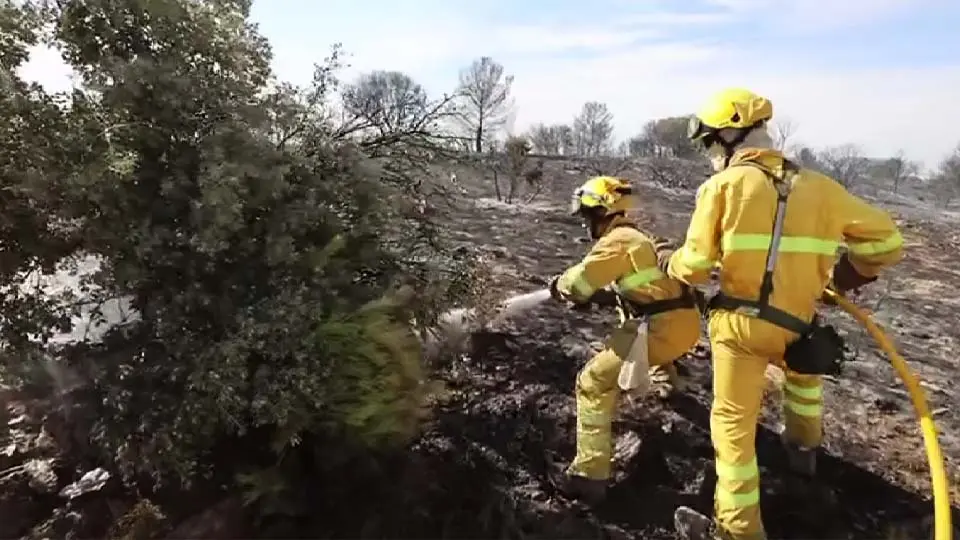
(145, 520)
(666, 137)
(256, 241)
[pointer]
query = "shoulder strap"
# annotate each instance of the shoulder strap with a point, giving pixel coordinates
(783, 187)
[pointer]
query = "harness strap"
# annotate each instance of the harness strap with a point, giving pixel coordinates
(761, 308)
(753, 308)
(684, 301)
(636, 309)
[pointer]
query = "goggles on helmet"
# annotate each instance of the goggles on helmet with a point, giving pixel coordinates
(583, 198)
(702, 135)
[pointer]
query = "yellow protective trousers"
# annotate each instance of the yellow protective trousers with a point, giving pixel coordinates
(742, 348)
(597, 391)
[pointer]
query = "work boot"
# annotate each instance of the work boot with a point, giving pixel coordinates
(801, 460)
(665, 380)
(587, 490)
(692, 525)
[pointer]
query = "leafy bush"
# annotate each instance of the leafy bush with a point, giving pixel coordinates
(257, 244)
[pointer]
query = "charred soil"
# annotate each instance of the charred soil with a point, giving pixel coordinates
(482, 469)
(507, 416)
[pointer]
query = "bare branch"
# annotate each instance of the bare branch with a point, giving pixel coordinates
(782, 130)
(593, 130)
(485, 91)
(553, 140)
(844, 163)
(899, 168)
(946, 181)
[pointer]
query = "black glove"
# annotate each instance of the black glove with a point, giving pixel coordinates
(661, 243)
(664, 248)
(554, 292)
(827, 298)
(603, 298)
(663, 260)
(846, 277)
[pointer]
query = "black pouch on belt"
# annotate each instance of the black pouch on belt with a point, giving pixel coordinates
(818, 351)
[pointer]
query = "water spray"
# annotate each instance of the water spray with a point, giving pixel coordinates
(455, 325)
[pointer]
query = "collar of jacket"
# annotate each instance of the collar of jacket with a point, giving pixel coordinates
(618, 221)
(766, 159)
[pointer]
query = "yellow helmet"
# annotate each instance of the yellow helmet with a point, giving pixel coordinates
(730, 108)
(607, 193)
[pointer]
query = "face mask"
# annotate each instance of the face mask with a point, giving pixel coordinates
(717, 157)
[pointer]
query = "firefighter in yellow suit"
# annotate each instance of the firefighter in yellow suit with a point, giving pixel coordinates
(767, 296)
(622, 268)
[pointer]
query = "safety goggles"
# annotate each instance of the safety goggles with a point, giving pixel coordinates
(582, 197)
(701, 135)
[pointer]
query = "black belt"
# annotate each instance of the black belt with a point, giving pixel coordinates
(685, 300)
(753, 308)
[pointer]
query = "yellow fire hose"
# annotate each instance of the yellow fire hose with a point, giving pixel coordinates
(943, 529)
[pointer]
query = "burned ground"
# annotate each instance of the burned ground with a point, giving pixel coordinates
(507, 415)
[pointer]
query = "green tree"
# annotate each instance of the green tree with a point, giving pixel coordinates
(257, 241)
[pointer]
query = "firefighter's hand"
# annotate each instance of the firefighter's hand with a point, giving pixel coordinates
(587, 306)
(846, 277)
(554, 292)
(852, 295)
(664, 248)
(663, 260)
(827, 297)
(604, 298)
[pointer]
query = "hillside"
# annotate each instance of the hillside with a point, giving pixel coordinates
(508, 413)
(505, 414)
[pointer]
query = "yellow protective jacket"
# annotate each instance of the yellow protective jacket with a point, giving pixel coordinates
(624, 257)
(732, 223)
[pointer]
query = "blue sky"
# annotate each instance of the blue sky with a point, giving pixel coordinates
(880, 73)
(884, 74)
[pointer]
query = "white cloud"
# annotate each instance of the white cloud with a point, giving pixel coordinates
(553, 39)
(812, 16)
(660, 19)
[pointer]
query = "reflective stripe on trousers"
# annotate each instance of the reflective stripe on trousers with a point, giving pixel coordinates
(738, 485)
(738, 385)
(803, 409)
(596, 393)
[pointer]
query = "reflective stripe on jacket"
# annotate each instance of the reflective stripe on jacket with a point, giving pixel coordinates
(732, 222)
(625, 258)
